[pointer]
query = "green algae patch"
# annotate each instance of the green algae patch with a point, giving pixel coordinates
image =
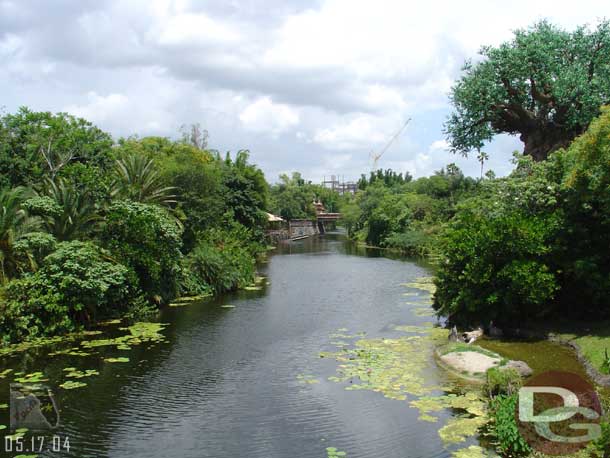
(423, 311)
(74, 373)
(34, 377)
(307, 379)
(111, 322)
(458, 429)
(71, 385)
(392, 367)
(5, 372)
(252, 288)
(3, 406)
(474, 451)
(120, 359)
(227, 306)
(74, 351)
(139, 333)
(332, 452)
(470, 402)
(422, 283)
(412, 329)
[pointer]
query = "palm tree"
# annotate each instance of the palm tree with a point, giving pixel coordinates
(75, 212)
(14, 223)
(482, 157)
(138, 179)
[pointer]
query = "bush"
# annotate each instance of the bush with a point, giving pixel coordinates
(76, 285)
(502, 382)
(148, 240)
(531, 245)
(510, 442)
(495, 269)
(220, 262)
(30, 249)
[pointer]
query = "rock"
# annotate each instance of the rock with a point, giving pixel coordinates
(470, 361)
(520, 366)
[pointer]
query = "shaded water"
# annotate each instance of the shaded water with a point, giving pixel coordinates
(228, 382)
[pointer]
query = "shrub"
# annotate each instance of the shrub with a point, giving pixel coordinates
(148, 240)
(495, 268)
(76, 284)
(506, 431)
(502, 381)
(221, 261)
(30, 249)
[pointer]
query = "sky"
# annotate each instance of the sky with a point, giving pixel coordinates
(308, 85)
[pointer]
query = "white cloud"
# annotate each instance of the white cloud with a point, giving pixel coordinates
(100, 108)
(195, 29)
(359, 132)
(265, 116)
(337, 75)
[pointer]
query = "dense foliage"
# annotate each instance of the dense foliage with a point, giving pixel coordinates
(293, 197)
(91, 229)
(532, 245)
(546, 85)
(510, 441)
(395, 212)
(76, 284)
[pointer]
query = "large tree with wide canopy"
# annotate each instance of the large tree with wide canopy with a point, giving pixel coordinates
(546, 85)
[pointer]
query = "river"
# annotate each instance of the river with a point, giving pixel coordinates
(248, 381)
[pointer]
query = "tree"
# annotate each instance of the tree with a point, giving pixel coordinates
(138, 179)
(545, 85)
(14, 223)
(34, 145)
(67, 211)
(482, 157)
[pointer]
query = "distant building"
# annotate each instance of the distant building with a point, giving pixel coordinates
(341, 187)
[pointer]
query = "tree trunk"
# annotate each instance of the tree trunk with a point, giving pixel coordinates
(539, 143)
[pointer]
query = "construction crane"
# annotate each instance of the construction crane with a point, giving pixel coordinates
(376, 157)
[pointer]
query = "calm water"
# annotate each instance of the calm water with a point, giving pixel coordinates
(225, 382)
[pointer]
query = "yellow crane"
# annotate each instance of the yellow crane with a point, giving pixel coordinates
(375, 157)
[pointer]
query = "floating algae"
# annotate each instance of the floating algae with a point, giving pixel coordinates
(252, 288)
(474, 451)
(74, 351)
(417, 329)
(307, 379)
(392, 367)
(3, 406)
(74, 373)
(71, 385)
(471, 402)
(121, 359)
(458, 429)
(332, 452)
(227, 306)
(138, 333)
(5, 372)
(422, 283)
(34, 377)
(395, 368)
(423, 311)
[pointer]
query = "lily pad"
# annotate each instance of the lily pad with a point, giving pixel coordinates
(71, 385)
(120, 359)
